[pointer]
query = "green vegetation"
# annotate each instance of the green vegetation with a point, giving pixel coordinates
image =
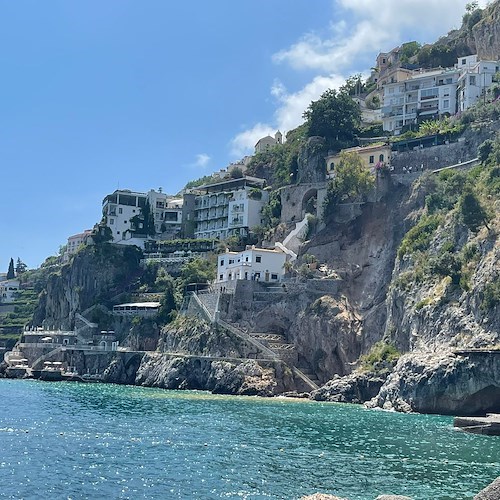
(491, 296)
(352, 182)
(420, 235)
(472, 212)
(206, 179)
(10, 273)
(381, 358)
(336, 117)
(198, 271)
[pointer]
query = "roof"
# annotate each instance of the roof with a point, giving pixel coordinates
(151, 305)
(245, 180)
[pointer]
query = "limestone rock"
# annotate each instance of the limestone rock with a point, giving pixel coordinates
(311, 161)
(491, 492)
(442, 383)
(358, 387)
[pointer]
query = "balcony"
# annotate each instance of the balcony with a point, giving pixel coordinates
(428, 110)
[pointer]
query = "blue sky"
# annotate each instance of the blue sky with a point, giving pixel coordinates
(106, 94)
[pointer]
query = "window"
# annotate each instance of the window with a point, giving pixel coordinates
(464, 61)
(231, 261)
(274, 276)
(381, 158)
(446, 103)
(246, 258)
(120, 210)
(221, 277)
(472, 79)
(111, 222)
(332, 165)
(372, 159)
(222, 262)
(258, 258)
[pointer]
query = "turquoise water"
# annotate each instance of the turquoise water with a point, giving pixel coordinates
(68, 440)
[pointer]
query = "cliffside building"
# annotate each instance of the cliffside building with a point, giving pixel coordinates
(74, 243)
(229, 208)
(433, 94)
(257, 264)
(268, 142)
(123, 213)
(373, 156)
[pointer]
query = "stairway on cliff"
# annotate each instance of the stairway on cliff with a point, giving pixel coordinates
(271, 345)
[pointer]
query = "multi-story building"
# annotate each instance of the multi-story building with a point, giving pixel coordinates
(372, 156)
(424, 96)
(258, 264)
(436, 93)
(74, 243)
(123, 213)
(230, 207)
(475, 79)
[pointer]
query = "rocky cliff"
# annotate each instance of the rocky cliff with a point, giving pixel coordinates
(95, 275)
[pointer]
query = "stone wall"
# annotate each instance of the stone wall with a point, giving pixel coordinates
(436, 157)
(292, 200)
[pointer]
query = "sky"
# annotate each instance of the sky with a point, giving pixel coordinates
(99, 95)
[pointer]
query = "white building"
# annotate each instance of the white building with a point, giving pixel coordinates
(475, 79)
(230, 207)
(74, 243)
(258, 264)
(268, 142)
(433, 94)
(8, 290)
(123, 214)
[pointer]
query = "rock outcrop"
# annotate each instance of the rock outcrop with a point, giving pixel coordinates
(218, 376)
(358, 387)
(462, 384)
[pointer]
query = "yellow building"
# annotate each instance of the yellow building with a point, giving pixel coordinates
(373, 156)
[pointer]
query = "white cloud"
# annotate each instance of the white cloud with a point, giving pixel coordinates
(202, 160)
(375, 25)
(245, 141)
(288, 114)
(366, 27)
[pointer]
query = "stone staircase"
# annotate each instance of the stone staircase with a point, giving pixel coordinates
(271, 345)
(311, 376)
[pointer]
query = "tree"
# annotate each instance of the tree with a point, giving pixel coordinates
(10, 273)
(472, 212)
(334, 116)
(21, 267)
(198, 271)
(236, 173)
(352, 181)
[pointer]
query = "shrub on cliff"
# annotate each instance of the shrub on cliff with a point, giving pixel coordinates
(381, 358)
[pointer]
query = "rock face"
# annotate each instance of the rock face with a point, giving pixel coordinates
(94, 275)
(467, 384)
(487, 33)
(491, 492)
(217, 376)
(311, 161)
(358, 387)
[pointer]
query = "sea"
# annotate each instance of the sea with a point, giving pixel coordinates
(64, 440)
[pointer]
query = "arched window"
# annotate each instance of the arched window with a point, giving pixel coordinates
(381, 157)
(332, 165)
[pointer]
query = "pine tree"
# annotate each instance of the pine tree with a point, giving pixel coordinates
(10, 273)
(21, 267)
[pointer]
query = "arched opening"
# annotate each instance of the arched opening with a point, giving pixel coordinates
(310, 202)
